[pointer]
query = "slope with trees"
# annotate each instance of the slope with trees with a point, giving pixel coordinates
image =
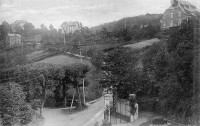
(163, 81)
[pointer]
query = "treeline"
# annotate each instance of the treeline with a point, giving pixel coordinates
(126, 30)
(160, 75)
(29, 32)
(132, 28)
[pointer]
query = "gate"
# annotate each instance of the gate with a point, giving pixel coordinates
(120, 113)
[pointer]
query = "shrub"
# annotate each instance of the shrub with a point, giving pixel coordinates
(159, 121)
(13, 108)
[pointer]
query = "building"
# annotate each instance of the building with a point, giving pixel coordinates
(14, 39)
(177, 12)
(70, 27)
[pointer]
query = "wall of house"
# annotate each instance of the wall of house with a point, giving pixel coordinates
(175, 20)
(13, 40)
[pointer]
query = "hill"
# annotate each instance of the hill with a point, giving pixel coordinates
(153, 19)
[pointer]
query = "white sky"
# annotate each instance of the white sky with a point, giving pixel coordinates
(89, 12)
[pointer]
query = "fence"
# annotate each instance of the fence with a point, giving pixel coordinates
(120, 114)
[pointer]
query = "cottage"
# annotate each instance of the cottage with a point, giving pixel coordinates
(14, 39)
(177, 12)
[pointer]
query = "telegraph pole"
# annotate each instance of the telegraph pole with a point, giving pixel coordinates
(80, 51)
(64, 38)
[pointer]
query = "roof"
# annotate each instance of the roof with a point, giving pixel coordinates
(71, 23)
(187, 8)
(13, 35)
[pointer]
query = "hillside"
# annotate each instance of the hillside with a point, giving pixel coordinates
(153, 19)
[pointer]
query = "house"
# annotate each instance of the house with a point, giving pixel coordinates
(13, 39)
(177, 12)
(70, 27)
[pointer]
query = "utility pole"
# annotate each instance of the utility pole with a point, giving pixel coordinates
(64, 38)
(80, 51)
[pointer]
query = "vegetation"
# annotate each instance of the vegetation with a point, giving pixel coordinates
(159, 121)
(131, 28)
(38, 83)
(170, 72)
(13, 107)
(162, 74)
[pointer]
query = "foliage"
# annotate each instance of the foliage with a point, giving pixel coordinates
(12, 58)
(13, 107)
(159, 121)
(120, 68)
(131, 28)
(57, 80)
(169, 71)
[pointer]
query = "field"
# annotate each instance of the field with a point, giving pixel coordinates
(143, 44)
(64, 59)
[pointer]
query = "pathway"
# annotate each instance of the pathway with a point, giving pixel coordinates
(54, 117)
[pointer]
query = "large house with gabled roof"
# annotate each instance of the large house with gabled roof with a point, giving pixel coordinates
(177, 12)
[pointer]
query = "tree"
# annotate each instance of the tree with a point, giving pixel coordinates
(4, 30)
(120, 65)
(51, 28)
(13, 108)
(73, 76)
(169, 70)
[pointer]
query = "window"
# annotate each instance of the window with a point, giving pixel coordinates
(171, 23)
(163, 24)
(171, 15)
(179, 22)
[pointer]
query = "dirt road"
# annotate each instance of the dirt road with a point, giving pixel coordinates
(54, 117)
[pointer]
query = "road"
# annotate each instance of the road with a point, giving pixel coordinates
(54, 117)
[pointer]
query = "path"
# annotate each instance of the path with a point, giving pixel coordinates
(54, 117)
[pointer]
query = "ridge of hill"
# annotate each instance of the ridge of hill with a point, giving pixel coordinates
(153, 19)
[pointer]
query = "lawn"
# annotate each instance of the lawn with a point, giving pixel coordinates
(64, 59)
(143, 44)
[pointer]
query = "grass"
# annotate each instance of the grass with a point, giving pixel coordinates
(142, 44)
(64, 60)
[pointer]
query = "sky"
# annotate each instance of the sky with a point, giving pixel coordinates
(88, 12)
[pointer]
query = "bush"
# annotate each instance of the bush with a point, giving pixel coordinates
(147, 104)
(159, 121)
(13, 108)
